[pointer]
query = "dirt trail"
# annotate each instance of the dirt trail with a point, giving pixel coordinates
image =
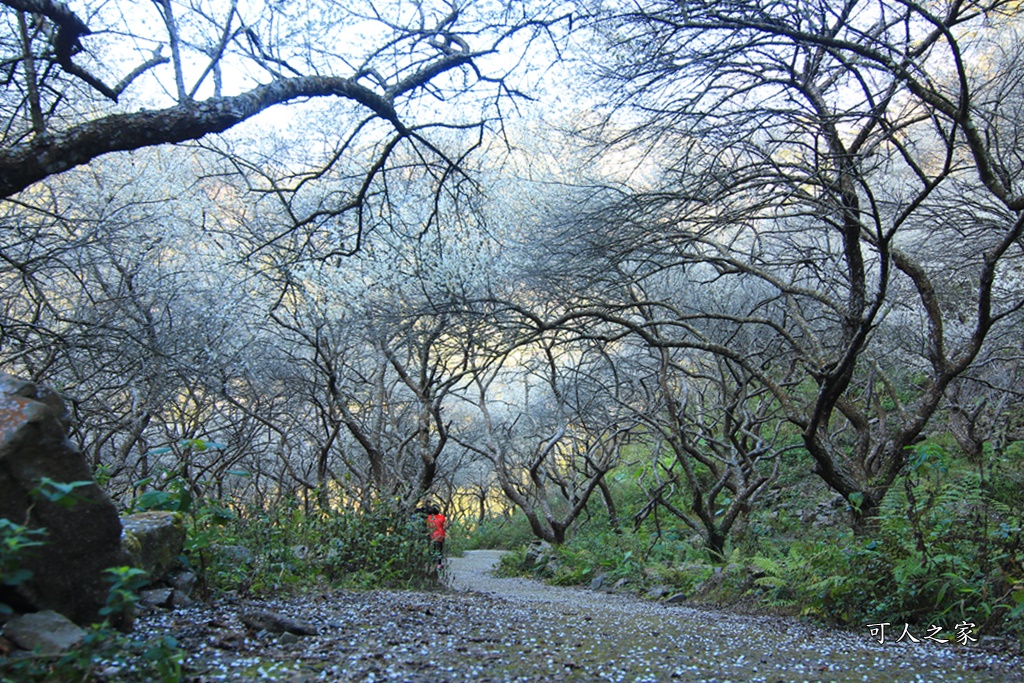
(624, 638)
(473, 572)
(490, 630)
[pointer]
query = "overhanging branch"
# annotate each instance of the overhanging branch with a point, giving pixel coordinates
(25, 164)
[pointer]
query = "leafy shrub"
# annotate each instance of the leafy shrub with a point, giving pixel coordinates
(378, 546)
(513, 563)
(594, 549)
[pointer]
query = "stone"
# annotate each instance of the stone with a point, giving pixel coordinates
(48, 631)
(156, 597)
(272, 622)
(153, 541)
(83, 531)
(550, 567)
(597, 582)
(538, 553)
(658, 592)
(183, 582)
(181, 600)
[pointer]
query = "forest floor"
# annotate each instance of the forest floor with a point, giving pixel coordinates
(492, 629)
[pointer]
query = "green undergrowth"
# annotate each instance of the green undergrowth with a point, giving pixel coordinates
(289, 549)
(946, 548)
(295, 544)
(504, 532)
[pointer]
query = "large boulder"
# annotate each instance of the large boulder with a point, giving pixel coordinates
(153, 541)
(83, 532)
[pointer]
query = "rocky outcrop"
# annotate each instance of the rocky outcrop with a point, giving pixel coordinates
(83, 531)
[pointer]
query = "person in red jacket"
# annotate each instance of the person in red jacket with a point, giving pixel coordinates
(436, 522)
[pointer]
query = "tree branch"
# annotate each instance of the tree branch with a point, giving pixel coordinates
(25, 164)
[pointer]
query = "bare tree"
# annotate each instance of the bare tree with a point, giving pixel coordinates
(851, 165)
(551, 430)
(725, 438)
(160, 341)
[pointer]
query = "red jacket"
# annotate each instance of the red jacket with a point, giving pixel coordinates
(435, 524)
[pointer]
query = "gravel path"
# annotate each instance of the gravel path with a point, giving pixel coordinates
(489, 629)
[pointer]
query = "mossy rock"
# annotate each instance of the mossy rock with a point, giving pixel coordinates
(154, 541)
